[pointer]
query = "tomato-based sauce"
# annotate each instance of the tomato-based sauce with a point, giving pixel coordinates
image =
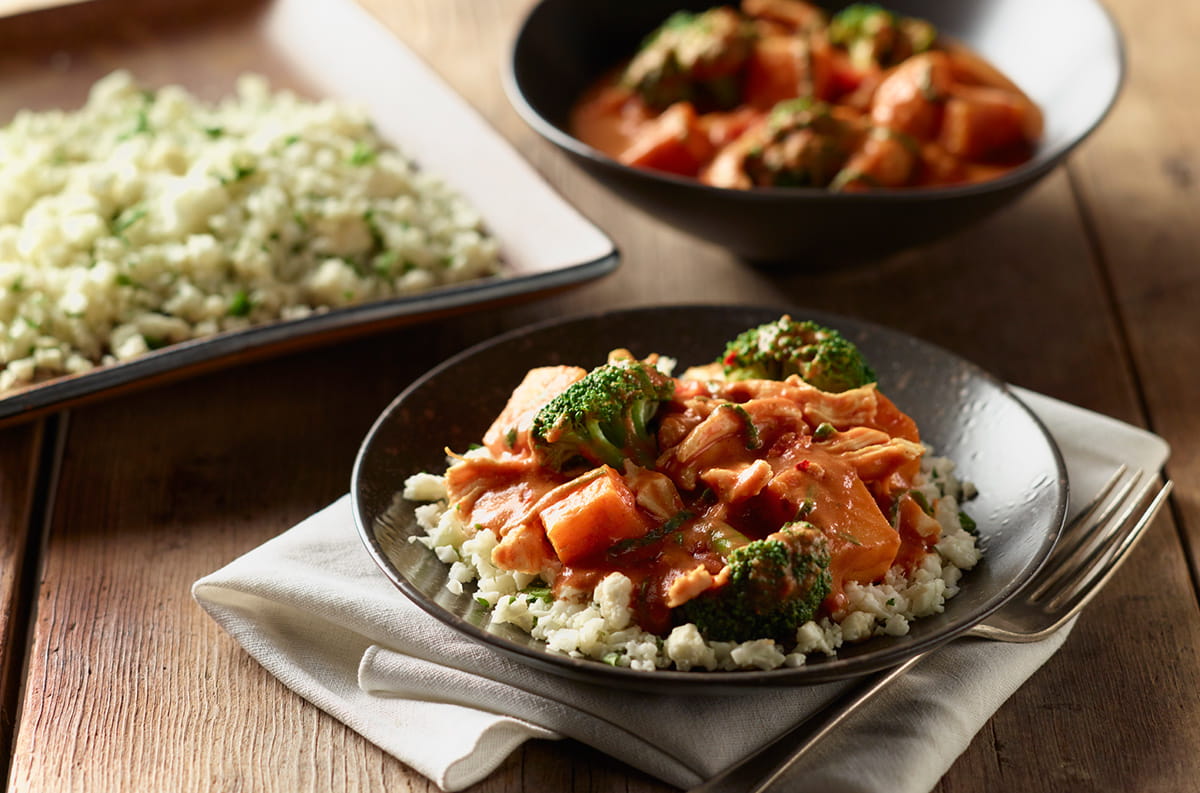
(737, 461)
(778, 94)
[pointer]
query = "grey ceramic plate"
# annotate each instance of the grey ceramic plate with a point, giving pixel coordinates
(963, 412)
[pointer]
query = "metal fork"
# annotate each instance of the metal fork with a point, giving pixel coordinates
(1089, 551)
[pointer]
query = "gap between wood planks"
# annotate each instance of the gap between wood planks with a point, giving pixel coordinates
(48, 443)
(1109, 291)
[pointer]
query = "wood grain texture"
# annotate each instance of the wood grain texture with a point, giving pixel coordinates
(20, 451)
(130, 685)
(1079, 291)
(1140, 181)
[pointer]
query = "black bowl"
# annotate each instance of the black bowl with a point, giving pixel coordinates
(1066, 55)
(963, 412)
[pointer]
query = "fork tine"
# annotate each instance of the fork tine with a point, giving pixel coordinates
(1096, 552)
(1091, 578)
(1086, 530)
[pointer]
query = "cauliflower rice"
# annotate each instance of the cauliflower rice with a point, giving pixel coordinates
(599, 625)
(148, 218)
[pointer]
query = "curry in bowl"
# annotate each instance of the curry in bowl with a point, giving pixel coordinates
(778, 93)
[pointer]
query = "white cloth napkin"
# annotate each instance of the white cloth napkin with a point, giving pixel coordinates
(312, 607)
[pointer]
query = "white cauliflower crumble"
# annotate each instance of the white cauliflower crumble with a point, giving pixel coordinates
(147, 218)
(598, 624)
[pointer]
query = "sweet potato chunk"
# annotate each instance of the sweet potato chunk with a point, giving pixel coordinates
(591, 519)
(862, 543)
(510, 431)
(674, 142)
(983, 123)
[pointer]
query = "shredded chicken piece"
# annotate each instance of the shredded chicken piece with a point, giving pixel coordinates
(524, 549)
(874, 454)
(686, 586)
(654, 492)
(733, 485)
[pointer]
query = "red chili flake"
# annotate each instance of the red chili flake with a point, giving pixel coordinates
(803, 465)
(730, 359)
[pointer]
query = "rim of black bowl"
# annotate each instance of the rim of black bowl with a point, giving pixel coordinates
(1043, 160)
(718, 682)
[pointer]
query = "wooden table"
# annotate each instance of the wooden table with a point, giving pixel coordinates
(111, 678)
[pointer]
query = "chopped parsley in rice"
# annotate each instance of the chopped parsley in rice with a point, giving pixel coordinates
(148, 218)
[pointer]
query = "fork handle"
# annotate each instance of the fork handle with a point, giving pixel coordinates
(757, 772)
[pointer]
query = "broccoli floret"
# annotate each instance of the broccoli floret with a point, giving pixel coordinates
(874, 36)
(804, 144)
(820, 356)
(775, 585)
(603, 418)
(692, 58)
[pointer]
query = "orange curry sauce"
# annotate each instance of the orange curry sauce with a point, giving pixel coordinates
(775, 94)
(663, 526)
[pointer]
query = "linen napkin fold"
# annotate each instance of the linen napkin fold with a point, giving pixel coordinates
(312, 607)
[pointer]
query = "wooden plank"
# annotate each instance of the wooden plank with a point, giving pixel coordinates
(130, 685)
(1137, 181)
(20, 452)
(1141, 181)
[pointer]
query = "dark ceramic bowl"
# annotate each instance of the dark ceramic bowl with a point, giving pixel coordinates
(965, 413)
(1065, 54)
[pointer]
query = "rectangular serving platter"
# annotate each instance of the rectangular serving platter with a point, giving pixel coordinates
(320, 49)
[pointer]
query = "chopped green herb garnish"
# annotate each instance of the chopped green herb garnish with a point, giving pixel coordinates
(823, 431)
(141, 126)
(752, 439)
(362, 154)
(925, 83)
(806, 508)
(376, 234)
(239, 304)
(538, 591)
(240, 173)
(126, 219)
(385, 263)
(968, 523)
(654, 535)
(510, 437)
